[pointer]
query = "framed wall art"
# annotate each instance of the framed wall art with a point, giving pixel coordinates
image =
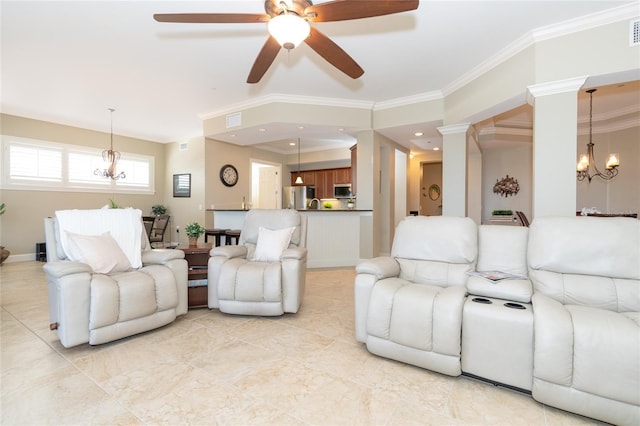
(182, 185)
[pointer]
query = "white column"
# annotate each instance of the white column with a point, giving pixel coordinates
(454, 169)
(555, 133)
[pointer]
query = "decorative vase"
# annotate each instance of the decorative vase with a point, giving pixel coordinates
(350, 206)
(193, 241)
(4, 253)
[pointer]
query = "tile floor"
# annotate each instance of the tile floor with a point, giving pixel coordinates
(210, 368)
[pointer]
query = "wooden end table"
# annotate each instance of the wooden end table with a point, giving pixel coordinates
(198, 260)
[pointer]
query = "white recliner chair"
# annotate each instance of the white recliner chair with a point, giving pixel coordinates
(408, 306)
(104, 281)
(265, 273)
(586, 304)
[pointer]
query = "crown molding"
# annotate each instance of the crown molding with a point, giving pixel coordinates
(409, 100)
(583, 23)
(291, 99)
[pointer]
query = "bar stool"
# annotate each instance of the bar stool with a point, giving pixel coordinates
(216, 233)
(231, 234)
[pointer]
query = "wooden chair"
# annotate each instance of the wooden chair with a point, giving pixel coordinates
(523, 218)
(158, 229)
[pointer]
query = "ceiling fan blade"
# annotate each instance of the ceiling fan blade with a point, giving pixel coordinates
(333, 53)
(212, 18)
(342, 10)
(264, 60)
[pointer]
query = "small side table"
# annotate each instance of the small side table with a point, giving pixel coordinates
(198, 260)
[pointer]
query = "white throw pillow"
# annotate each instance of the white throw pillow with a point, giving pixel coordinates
(271, 244)
(101, 252)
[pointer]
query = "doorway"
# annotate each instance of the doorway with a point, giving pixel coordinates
(431, 189)
(266, 184)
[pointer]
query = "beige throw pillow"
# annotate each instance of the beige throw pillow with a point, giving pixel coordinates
(101, 252)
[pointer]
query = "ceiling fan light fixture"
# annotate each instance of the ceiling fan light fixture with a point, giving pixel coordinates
(289, 30)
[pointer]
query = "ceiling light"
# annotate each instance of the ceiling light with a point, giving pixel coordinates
(289, 30)
(292, 144)
(588, 159)
(418, 134)
(111, 157)
(435, 148)
(299, 178)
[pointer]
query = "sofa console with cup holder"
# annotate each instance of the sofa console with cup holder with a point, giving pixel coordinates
(565, 327)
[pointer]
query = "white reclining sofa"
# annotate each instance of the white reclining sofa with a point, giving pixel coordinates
(568, 331)
(105, 282)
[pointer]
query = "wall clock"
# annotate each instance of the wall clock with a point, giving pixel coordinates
(228, 175)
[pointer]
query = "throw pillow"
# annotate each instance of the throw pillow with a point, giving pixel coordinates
(101, 252)
(271, 244)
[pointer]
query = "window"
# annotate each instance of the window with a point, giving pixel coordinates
(38, 165)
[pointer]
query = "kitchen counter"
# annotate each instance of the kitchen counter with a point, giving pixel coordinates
(334, 236)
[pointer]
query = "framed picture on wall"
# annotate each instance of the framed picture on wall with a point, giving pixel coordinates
(182, 185)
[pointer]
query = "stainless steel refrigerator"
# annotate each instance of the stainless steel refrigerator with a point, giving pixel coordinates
(297, 197)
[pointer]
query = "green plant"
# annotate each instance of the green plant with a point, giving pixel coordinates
(194, 229)
(351, 200)
(327, 205)
(1, 209)
(113, 204)
(158, 209)
(502, 212)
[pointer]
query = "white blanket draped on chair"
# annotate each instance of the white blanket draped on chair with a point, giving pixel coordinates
(124, 225)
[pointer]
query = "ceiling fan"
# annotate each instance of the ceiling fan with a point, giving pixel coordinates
(288, 24)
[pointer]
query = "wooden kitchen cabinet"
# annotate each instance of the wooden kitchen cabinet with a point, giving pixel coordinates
(324, 179)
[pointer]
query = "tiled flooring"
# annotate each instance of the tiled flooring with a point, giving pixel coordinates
(209, 368)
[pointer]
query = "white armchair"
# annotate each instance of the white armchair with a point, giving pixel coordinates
(104, 281)
(408, 306)
(265, 273)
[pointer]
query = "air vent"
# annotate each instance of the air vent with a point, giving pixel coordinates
(634, 32)
(183, 146)
(234, 120)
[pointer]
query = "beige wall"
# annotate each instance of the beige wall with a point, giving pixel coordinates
(622, 194)
(21, 227)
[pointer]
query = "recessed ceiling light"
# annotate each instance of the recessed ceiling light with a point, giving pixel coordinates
(418, 134)
(292, 144)
(262, 129)
(300, 127)
(436, 149)
(341, 129)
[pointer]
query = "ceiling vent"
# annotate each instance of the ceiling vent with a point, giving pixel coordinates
(634, 32)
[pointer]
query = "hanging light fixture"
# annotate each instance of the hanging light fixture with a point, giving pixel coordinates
(288, 29)
(111, 157)
(587, 160)
(299, 178)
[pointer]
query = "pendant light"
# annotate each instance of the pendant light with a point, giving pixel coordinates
(299, 178)
(111, 157)
(588, 160)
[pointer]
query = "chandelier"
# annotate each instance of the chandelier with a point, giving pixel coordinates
(588, 160)
(299, 178)
(111, 157)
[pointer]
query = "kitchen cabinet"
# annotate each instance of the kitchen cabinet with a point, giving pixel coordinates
(324, 179)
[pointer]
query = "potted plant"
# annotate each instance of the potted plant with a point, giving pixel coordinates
(351, 202)
(193, 231)
(158, 209)
(4, 253)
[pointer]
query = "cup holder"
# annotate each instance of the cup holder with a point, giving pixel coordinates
(514, 305)
(481, 300)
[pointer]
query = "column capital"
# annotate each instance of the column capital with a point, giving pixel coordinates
(554, 87)
(454, 129)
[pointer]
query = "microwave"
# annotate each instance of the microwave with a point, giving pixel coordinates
(342, 190)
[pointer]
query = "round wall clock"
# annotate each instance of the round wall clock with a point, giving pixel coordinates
(228, 175)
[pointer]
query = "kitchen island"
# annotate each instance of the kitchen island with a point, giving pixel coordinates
(334, 236)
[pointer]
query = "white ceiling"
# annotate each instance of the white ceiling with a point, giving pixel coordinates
(68, 62)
